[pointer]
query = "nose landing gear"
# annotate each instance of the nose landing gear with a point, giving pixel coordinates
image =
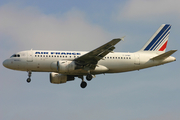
(29, 77)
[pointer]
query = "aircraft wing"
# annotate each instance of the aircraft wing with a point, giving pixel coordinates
(91, 58)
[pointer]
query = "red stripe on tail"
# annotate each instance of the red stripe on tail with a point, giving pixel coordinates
(163, 47)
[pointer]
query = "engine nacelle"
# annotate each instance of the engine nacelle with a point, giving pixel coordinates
(57, 78)
(63, 66)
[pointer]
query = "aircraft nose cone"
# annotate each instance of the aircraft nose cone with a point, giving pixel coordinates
(5, 63)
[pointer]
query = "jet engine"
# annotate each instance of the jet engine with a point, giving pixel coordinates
(63, 66)
(57, 78)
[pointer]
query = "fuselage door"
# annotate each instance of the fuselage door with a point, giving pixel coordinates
(137, 59)
(30, 56)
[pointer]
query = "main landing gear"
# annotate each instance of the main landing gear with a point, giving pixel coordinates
(88, 78)
(83, 83)
(29, 77)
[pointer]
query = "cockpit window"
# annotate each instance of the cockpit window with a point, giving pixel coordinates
(15, 55)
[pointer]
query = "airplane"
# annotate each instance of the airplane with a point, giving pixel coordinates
(66, 65)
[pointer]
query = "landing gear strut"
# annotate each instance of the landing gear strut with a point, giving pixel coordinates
(29, 77)
(83, 83)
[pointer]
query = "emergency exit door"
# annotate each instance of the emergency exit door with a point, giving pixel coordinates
(30, 56)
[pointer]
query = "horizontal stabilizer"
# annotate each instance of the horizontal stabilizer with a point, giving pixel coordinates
(164, 55)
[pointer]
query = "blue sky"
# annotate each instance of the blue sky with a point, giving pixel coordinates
(149, 94)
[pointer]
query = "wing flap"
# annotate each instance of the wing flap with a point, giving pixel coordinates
(164, 55)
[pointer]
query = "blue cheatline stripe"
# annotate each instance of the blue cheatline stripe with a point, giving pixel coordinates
(160, 38)
(157, 36)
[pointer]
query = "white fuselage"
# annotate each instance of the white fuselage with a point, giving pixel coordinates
(66, 65)
(115, 62)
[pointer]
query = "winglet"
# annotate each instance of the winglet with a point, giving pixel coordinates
(123, 38)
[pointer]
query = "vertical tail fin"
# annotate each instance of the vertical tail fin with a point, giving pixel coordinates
(158, 42)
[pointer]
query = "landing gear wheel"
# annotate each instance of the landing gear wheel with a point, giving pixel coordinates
(29, 80)
(83, 84)
(29, 77)
(89, 77)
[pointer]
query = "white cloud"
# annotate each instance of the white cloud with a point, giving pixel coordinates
(148, 9)
(30, 28)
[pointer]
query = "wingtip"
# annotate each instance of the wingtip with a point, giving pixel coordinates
(119, 39)
(122, 38)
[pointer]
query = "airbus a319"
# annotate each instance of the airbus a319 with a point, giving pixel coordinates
(66, 65)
